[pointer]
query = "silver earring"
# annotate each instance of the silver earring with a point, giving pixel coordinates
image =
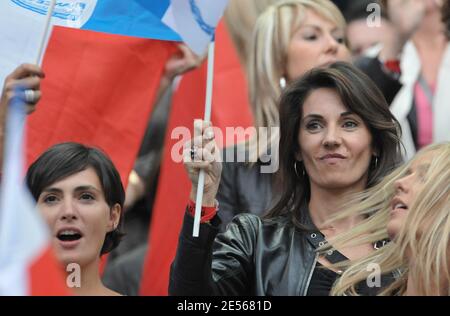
(376, 162)
(282, 82)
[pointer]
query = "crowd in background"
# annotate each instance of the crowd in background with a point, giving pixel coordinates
(362, 106)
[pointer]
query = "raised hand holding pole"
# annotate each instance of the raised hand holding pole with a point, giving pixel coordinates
(207, 118)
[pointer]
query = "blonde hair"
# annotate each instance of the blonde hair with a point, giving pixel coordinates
(268, 57)
(424, 235)
(240, 18)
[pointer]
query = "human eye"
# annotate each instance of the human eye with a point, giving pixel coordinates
(309, 34)
(339, 36)
(310, 37)
(313, 126)
(422, 173)
(86, 196)
(340, 39)
(50, 199)
(350, 124)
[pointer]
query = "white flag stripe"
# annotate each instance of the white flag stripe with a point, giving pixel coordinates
(22, 25)
(195, 21)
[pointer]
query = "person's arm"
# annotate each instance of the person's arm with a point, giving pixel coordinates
(180, 63)
(23, 78)
(214, 265)
(405, 17)
(192, 270)
(193, 258)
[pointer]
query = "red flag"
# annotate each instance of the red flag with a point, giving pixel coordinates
(99, 90)
(46, 276)
(230, 108)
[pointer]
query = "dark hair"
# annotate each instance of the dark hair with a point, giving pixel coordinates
(63, 160)
(357, 10)
(446, 17)
(361, 96)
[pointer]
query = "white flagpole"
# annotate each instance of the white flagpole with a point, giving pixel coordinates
(207, 118)
(46, 31)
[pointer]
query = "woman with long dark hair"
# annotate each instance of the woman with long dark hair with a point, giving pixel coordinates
(337, 138)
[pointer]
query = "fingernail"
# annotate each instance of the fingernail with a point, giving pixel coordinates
(197, 124)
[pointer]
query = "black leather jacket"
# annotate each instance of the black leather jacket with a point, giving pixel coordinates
(253, 257)
(243, 189)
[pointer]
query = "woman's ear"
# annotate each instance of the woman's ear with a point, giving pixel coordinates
(115, 213)
(298, 156)
(375, 152)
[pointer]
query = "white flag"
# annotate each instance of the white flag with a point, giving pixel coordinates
(195, 21)
(23, 233)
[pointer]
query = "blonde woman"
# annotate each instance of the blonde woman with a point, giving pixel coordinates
(240, 18)
(290, 38)
(413, 209)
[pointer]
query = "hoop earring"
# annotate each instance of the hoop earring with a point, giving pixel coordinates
(295, 169)
(282, 83)
(376, 162)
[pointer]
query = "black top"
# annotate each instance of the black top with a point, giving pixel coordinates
(322, 281)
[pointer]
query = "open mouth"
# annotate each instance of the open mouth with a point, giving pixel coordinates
(400, 206)
(69, 235)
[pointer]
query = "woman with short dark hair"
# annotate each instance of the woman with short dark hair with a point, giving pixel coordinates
(79, 193)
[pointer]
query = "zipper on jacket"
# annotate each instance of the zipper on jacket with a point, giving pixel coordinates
(310, 274)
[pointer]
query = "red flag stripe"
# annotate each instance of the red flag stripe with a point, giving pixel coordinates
(230, 108)
(99, 90)
(46, 276)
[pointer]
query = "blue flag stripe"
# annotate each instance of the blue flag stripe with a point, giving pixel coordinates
(158, 7)
(132, 18)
